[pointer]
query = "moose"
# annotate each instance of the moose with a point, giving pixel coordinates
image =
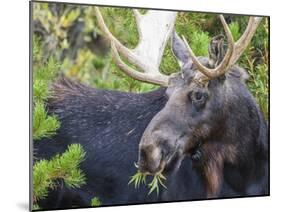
(202, 128)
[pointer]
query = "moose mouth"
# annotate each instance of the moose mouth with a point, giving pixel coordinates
(149, 170)
(160, 159)
(165, 165)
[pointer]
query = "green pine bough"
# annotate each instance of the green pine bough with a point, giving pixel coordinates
(44, 72)
(44, 125)
(47, 173)
(140, 178)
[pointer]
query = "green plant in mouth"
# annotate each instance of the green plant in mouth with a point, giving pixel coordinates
(137, 179)
(154, 185)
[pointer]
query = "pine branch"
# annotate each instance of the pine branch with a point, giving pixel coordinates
(46, 173)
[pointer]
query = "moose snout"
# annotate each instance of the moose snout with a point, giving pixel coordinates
(150, 158)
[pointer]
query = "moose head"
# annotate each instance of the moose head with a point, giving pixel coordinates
(208, 102)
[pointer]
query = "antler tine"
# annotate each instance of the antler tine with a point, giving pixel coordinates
(234, 50)
(144, 77)
(245, 39)
(149, 51)
(121, 48)
(224, 65)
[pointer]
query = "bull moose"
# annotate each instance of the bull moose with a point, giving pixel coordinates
(202, 128)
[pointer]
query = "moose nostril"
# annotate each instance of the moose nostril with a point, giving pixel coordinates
(150, 158)
(146, 152)
(143, 155)
(142, 159)
(145, 162)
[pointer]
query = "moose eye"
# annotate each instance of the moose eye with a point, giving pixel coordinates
(198, 99)
(198, 95)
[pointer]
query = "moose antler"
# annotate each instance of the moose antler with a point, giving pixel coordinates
(234, 50)
(154, 28)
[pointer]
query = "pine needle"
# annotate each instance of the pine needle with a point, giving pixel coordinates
(140, 178)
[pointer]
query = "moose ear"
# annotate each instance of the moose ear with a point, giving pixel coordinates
(216, 51)
(179, 49)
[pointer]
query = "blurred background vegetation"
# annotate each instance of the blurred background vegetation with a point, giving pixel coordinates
(68, 41)
(70, 34)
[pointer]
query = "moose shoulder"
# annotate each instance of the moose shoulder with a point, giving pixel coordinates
(203, 128)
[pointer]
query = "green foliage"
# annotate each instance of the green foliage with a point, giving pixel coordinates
(46, 71)
(258, 85)
(44, 125)
(140, 178)
(191, 26)
(197, 38)
(169, 63)
(154, 185)
(126, 23)
(47, 173)
(36, 49)
(95, 202)
(137, 179)
(260, 40)
(235, 30)
(199, 43)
